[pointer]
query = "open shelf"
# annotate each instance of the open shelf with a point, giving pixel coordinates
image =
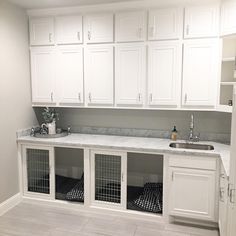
(228, 59)
(228, 83)
(228, 74)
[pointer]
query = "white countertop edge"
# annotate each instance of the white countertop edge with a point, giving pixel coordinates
(127, 143)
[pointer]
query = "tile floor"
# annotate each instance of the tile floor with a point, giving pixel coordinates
(40, 220)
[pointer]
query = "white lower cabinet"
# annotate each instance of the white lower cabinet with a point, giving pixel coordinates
(192, 188)
(99, 75)
(177, 186)
(70, 75)
(223, 202)
(38, 172)
(108, 179)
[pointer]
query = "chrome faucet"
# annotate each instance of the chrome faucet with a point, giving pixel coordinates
(191, 128)
(192, 137)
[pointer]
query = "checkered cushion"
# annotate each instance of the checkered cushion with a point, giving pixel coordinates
(77, 192)
(151, 199)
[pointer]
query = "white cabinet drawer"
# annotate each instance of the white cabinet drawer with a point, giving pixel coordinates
(205, 163)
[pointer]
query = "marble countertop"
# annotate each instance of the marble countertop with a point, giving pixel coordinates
(157, 145)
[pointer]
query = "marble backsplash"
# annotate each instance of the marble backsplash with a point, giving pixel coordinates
(152, 133)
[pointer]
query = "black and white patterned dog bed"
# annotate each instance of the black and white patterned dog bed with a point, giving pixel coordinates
(151, 198)
(77, 192)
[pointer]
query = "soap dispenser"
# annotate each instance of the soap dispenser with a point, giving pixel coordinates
(174, 134)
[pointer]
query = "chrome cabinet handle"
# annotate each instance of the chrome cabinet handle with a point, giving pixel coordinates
(139, 97)
(187, 30)
(78, 36)
(185, 98)
(150, 97)
(50, 37)
(52, 97)
(122, 177)
(89, 35)
(222, 192)
(222, 176)
(231, 195)
(79, 97)
(90, 97)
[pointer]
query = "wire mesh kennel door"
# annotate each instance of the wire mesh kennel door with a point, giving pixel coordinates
(108, 180)
(37, 168)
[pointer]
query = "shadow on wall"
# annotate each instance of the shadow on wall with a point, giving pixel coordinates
(213, 123)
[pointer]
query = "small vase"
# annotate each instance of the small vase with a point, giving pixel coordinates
(52, 127)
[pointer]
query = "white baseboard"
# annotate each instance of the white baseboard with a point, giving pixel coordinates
(10, 203)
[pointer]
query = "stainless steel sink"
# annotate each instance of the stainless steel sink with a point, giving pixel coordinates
(192, 146)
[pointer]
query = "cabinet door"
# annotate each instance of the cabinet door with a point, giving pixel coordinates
(130, 26)
(38, 172)
(200, 75)
(164, 73)
(69, 29)
(201, 21)
(223, 202)
(192, 193)
(42, 75)
(42, 31)
(70, 75)
(130, 74)
(165, 24)
(228, 18)
(99, 75)
(108, 179)
(99, 28)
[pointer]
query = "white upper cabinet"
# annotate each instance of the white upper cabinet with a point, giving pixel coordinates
(164, 71)
(201, 21)
(130, 74)
(69, 29)
(42, 31)
(228, 18)
(130, 26)
(99, 75)
(99, 28)
(200, 72)
(42, 75)
(165, 24)
(70, 75)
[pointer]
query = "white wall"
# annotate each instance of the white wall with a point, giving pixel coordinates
(15, 100)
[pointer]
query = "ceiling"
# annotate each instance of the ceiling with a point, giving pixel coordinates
(31, 4)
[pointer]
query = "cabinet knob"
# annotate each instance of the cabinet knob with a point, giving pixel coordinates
(90, 97)
(79, 97)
